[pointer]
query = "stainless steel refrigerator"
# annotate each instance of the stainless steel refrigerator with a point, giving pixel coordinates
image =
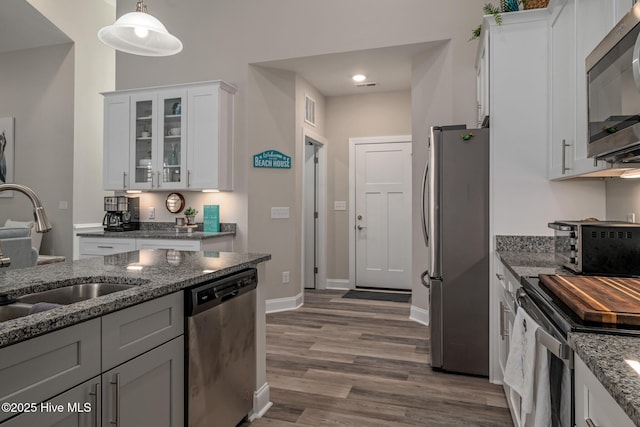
(455, 216)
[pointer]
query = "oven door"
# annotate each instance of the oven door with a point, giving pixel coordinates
(561, 371)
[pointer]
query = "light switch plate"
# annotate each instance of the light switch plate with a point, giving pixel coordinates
(279, 212)
(339, 205)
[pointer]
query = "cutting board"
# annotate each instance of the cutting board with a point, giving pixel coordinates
(598, 299)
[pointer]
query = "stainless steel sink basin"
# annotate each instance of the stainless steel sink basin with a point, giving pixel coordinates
(13, 311)
(73, 293)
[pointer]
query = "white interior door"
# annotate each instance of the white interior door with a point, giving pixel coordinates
(310, 216)
(383, 215)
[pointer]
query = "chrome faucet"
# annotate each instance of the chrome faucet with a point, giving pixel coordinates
(42, 222)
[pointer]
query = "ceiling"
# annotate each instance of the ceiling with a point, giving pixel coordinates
(23, 27)
(389, 67)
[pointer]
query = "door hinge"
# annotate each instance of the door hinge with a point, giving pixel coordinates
(315, 215)
(315, 159)
(315, 270)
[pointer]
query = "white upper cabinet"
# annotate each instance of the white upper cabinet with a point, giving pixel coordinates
(577, 26)
(169, 138)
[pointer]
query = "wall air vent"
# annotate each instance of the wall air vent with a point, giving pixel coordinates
(309, 110)
(368, 84)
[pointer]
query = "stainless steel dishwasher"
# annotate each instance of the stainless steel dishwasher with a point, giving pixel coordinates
(221, 350)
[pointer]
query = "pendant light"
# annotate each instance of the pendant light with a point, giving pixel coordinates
(140, 34)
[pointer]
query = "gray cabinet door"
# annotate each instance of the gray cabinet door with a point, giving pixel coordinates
(147, 390)
(77, 407)
(40, 368)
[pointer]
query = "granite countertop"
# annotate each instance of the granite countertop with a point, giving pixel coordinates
(603, 354)
(154, 272)
(165, 231)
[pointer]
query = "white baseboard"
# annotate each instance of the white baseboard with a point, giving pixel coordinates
(419, 315)
(339, 284)
(261, 402)
(284, 304)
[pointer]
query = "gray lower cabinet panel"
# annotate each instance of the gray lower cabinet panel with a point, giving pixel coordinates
(134, 330)
(77, 407)
(40, 368)
(147, 390)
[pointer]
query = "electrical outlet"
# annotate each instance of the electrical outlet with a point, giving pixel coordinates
(279, 213)
(631, 217)
(285, 277)
(152, 213)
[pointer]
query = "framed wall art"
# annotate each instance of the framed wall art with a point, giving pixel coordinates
(7, 146)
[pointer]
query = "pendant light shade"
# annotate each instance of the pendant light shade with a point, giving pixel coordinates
(139, 33)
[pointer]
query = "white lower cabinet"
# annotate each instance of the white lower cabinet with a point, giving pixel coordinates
(102, 246)
(124, 369)
(90, 247)
(593, 404)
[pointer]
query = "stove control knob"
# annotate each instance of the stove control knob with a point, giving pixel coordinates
(572, 234)
(572, 260)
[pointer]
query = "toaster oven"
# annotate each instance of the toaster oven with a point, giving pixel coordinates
(598, 247)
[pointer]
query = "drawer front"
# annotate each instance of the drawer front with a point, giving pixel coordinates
(101, 247)
(221, 244)
(179, 245)
(130, 332)
(37, 369)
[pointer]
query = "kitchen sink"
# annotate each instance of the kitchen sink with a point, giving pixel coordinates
(73, 293)
(13, 311)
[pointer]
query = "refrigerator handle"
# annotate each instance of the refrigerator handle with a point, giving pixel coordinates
(422, 279)
(425, 233)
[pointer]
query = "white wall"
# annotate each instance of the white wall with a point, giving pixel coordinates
(222, 38)
(94, 72)
(36, 88)
(623, 197)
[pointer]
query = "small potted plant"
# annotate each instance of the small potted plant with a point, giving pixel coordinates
(504, 7)
(190, 213)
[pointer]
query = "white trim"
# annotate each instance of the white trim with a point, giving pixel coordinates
(321, 278)
(284, 304)
(84, 228)
(352, 187)
(419, 315)
(339, 284)
(261, 402)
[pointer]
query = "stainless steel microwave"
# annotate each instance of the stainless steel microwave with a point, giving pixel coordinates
(613, 93)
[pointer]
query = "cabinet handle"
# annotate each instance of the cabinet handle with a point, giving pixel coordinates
(590, 422)
(116, 383)
(96, 408)
(105, 247)
(500, 276)
(564, 156)
(503, 334)
(188, 178)
(158, 174)
(124, 180)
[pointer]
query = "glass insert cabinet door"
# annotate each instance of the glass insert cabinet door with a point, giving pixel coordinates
(159, 154)
(144, 128)
(173, 140)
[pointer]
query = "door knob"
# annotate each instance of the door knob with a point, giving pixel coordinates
(360, 227)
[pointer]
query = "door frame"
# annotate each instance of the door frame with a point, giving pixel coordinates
(321, 277)
(353, 142)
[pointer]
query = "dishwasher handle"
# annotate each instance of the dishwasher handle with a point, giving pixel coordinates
(217, 291)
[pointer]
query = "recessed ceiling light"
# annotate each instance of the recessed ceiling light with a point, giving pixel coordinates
(359, 78)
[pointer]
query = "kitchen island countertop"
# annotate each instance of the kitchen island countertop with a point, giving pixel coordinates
(603, 354)
(154, 272)
(165, 231)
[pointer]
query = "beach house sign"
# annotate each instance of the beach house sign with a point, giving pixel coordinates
(271, 159)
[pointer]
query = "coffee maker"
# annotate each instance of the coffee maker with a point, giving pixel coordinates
(123, 213)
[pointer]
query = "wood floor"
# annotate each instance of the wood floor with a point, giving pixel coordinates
(349, 362)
